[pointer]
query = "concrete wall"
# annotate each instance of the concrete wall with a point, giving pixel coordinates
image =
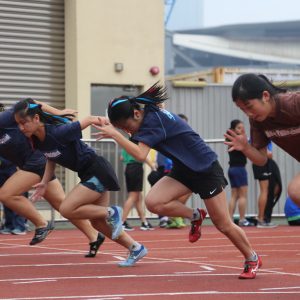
(100, 33)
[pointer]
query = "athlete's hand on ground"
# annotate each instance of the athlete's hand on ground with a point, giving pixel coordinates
(40, 189)
(235, 141)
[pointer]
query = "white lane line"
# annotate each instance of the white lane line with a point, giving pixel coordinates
(34, 281)
(79, 264)
(133, 276)
(207, 268)
(138, 276)
(281, 288)
(119, 257)
(39, 254)
(192, 272)
(102, 297)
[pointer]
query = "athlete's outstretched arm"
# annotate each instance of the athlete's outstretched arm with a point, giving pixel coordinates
(138, 151)
(93, 120)
(54, 111)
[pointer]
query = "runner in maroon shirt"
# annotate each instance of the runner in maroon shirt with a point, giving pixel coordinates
(274, 115)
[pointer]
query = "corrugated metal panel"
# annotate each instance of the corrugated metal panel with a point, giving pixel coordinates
(32, 51)
(210, 111)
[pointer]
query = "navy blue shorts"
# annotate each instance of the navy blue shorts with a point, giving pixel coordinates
(238, 177)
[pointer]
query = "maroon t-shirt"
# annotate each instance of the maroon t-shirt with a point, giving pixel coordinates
(283, 129)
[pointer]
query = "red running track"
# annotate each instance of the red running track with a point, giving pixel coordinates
(173, 269)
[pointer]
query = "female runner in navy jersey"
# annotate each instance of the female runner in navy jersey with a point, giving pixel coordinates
(60, 141)
(15, 147)
(195, 169)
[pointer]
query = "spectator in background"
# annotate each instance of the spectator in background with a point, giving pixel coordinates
(292, 212)
(134, 175)
(270, 188)
(13, 223)
(238, 178)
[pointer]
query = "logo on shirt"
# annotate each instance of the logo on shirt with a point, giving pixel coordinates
(282, 132)
(52, 154)
(169, 115)
(267, 174)
(4, 138)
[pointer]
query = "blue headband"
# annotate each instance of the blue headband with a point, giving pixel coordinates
(145, 99)
(118, 102)
(32, 105)
(63, 119)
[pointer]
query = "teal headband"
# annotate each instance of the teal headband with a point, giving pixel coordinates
(118, 102)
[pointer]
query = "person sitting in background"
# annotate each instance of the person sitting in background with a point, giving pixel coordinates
(292, 212)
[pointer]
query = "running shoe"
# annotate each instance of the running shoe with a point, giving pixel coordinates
(41, 233)
(180, 222)
(244, 223)
(251, 268)
(115, 222)
(133, 257)
(163, 222)
(18, 231)
(5, 230)
(172, 224)
(195, 231)
(94, 246)
(146, 226)
(127, 227)
(265, 224)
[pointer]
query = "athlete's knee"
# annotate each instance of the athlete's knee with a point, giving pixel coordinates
(5, 197)
(224, 226)
(153, 205)
(65, 210)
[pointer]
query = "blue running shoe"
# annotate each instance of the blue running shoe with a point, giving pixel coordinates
(115, 222)
(133, 257)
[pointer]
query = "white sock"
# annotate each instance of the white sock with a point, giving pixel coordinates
(136, 246)
(196, 215)
(253, 257)
(110, 211)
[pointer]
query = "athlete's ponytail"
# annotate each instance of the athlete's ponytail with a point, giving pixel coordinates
(28, 107)
(123, 107)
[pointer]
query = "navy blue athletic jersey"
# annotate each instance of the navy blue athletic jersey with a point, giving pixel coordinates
(62, 145)
(173, 137)
(7, 168)
(14, 145)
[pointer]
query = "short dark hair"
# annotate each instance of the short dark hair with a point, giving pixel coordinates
(235, 123)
